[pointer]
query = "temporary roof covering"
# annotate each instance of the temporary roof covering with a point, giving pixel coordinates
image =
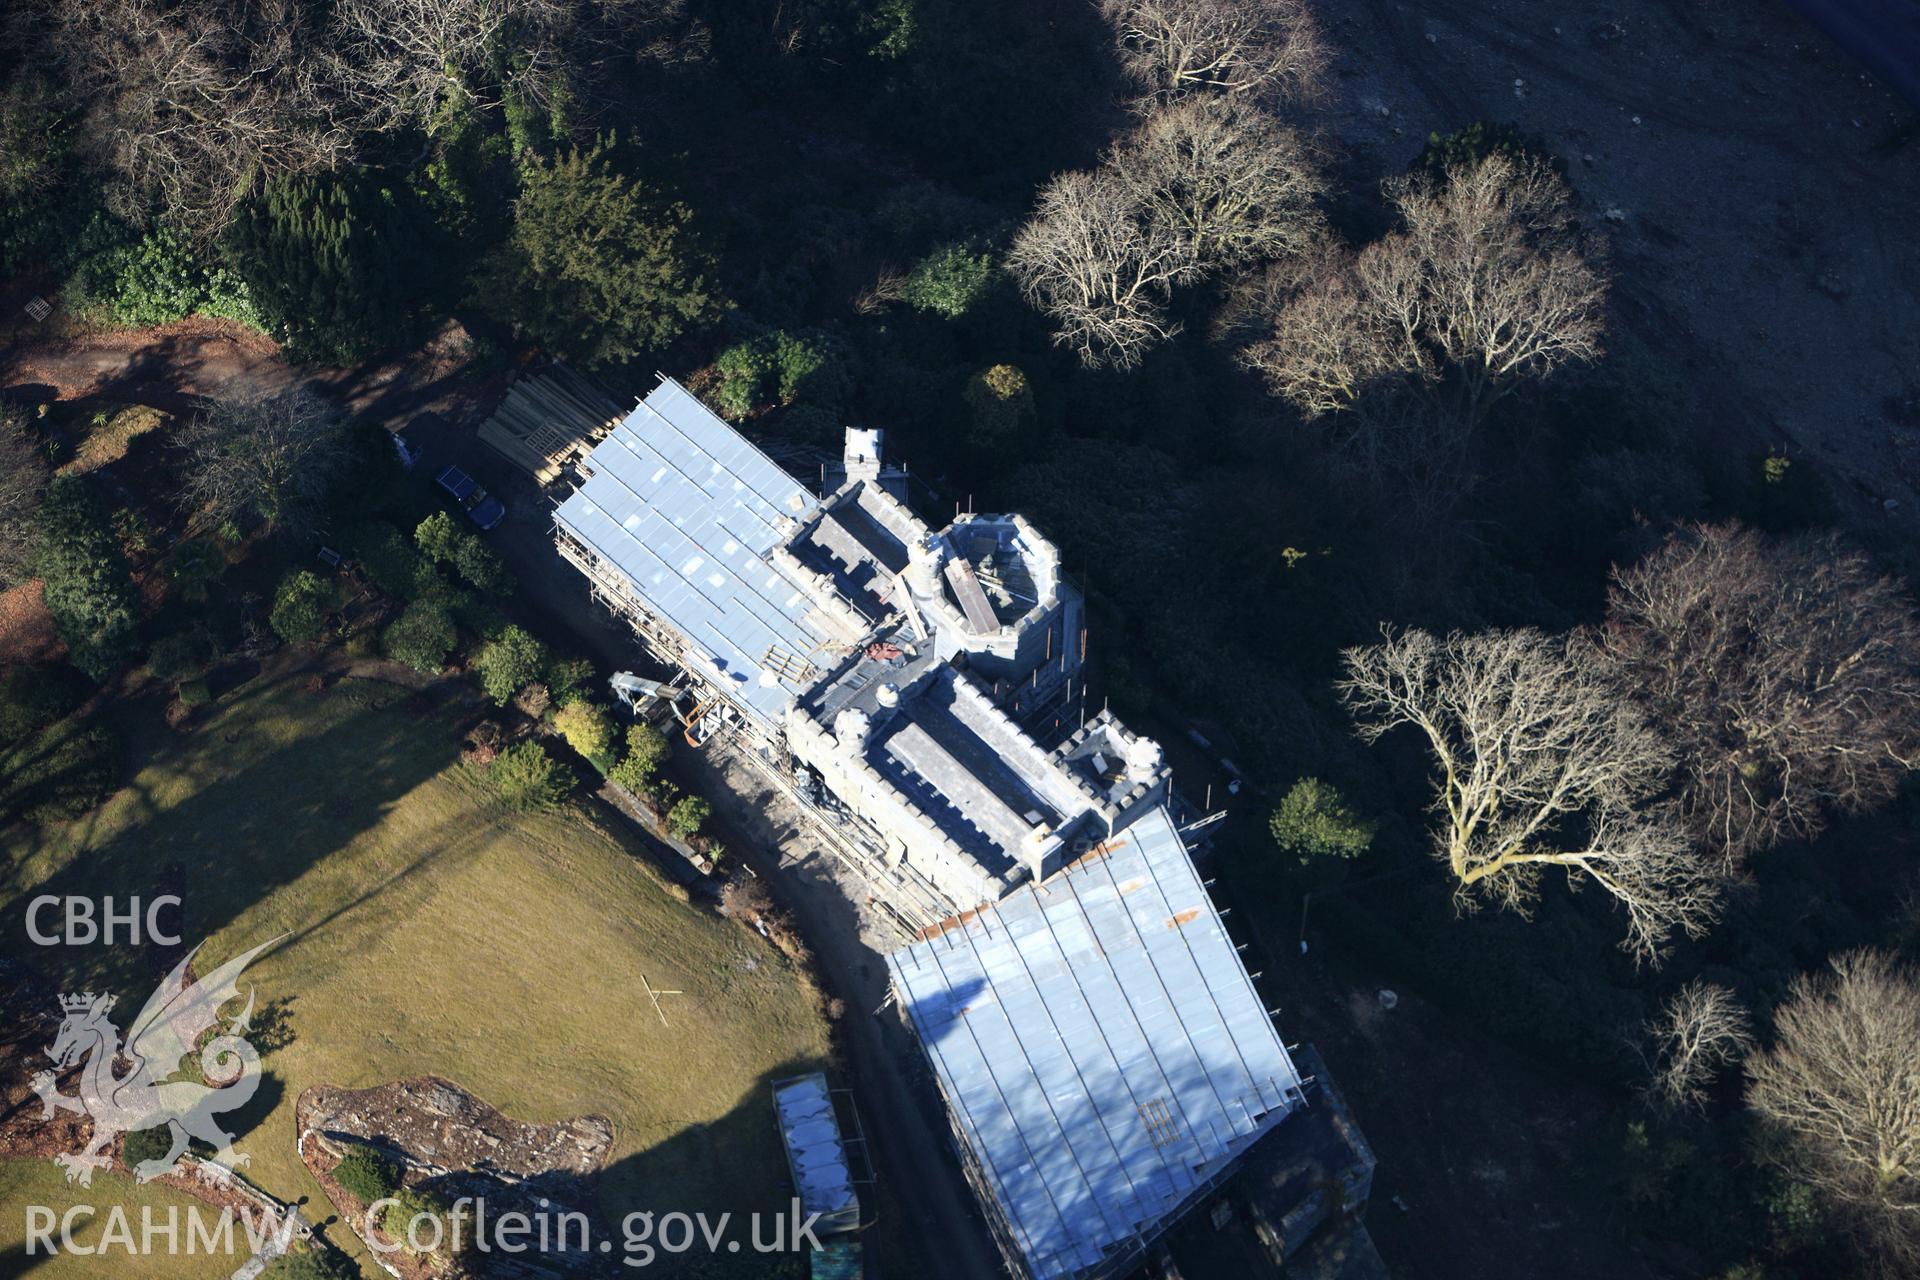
(686, 508)
(815, 1152)
(1101, 1048)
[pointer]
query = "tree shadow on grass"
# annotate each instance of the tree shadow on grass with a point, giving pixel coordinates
(265, 807)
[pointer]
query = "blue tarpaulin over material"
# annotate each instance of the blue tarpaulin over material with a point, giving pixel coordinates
(1101, 1048)
(815, 1153)
(686, 508)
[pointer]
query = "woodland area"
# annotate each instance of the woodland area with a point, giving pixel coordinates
(1601, 737)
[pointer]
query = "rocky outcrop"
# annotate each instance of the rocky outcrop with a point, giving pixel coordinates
(437, 1128)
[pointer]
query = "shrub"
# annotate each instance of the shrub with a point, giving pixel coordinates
(533, 701)
(93, 257)
(1786, 495)
(185, 653)
(59, 773)
(477, 616)
(365, 1174)
(1001, 400)
(315, 1262)
(951, 280)
(525, 778)
(475, 561)
(782, 366)
(647, 750)
(195, 566)
(155, 281)
(437, 537)
(631, 775)
(648, 745)
(1313, 821)
(1475, 142)
(31, 698)
(688, 815)
(388, 560)
(811, 366)
(744, 369)
(89, 591)
(568, 679)
(509, 663)
(587, 728)
(300, 606)
(143, 1145)
(228, 297)
(411, 1203)
(422, 637)
(134, 530)
(195, 693)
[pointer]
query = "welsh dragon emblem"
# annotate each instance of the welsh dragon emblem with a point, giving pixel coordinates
(168, 1029)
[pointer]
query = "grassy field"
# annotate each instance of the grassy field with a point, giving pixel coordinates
(426, 932)
(37, 1182)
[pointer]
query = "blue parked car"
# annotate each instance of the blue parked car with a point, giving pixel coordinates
(481, 507)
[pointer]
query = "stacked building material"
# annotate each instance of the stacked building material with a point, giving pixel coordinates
(549, 421)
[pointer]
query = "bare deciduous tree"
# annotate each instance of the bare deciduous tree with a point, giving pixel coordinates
(1494, 279)
(1201, 187)
(23, 478)
(1841, 1087)
(1542, 766)
(402, 58)
(1486, 286)
(1701, 1030)
(271, 456)
(192, 104)
(1787, 672)
(1328, 343)
(1234, 183)
(1092, 261)
(1248, 48)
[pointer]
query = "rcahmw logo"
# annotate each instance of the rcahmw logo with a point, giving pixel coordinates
(173, 1230)
(168, 1028)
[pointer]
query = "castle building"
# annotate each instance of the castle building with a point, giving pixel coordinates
(1104, 1056)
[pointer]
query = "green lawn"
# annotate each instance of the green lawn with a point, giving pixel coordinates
(428, 933)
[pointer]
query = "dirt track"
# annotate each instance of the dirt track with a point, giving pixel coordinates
(173, 366)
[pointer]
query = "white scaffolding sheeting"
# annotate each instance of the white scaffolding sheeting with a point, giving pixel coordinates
(1102, 1050)
(687, 510)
